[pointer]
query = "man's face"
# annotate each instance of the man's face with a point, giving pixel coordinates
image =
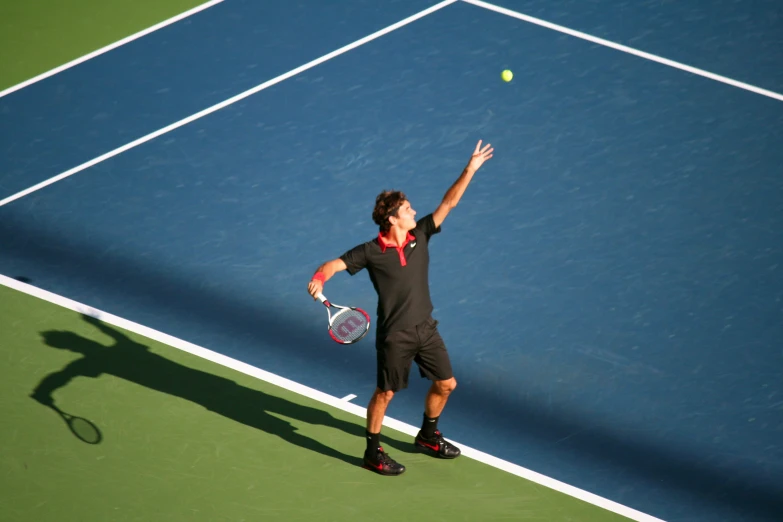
(406, 217)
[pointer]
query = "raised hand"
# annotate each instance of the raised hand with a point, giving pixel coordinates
(480, 155)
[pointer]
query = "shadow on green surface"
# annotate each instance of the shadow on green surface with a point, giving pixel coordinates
(134, 362)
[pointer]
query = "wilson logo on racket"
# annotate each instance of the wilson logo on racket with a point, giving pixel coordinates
(348, 324)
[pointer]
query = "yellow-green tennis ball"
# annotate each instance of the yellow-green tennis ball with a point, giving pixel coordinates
(506, 75)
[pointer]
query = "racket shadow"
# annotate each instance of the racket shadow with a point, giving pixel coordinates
(134, 362)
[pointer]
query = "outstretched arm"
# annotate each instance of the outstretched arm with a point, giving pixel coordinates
(322, 274)
(44, 392)
(454, 194)
(117, 335)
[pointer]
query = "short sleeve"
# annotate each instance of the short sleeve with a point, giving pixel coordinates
(355, 259)
(426, 225)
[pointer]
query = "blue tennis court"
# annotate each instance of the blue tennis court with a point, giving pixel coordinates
(610, 288)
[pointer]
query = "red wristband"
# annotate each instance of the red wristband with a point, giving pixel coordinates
(319, 276)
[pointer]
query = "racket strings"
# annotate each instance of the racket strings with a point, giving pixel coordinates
(349, 325)
(85, 430)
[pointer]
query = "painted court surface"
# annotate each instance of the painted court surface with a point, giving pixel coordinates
(183, 438)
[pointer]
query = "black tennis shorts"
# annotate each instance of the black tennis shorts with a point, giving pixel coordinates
(397, 350)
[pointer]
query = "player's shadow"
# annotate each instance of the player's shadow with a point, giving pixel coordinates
(134, 362)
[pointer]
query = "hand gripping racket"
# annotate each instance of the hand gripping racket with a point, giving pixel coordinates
(348, 324)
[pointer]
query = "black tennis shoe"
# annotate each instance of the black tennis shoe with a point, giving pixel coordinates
(380, 462)
(438, 446)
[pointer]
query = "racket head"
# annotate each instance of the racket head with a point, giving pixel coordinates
(349, 325)
(84, 430)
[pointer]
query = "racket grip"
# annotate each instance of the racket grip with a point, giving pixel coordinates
(322, 298)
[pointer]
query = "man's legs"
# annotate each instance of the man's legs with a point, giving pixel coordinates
(376, 410)
(395, 352)
(429, 438)
(375, 458)
(437, 396)
(434, 363)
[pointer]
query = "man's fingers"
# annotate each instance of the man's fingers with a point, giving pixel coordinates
(487, 146)
(478, 147)
(314, 289)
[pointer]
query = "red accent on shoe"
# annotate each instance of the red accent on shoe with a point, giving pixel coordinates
(434, 447)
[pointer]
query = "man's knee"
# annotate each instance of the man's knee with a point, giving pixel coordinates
(384, 396)
(446, 386)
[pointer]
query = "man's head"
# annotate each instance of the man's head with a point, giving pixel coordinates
(66, 340)
(392, 208)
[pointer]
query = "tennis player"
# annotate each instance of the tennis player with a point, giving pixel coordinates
(398, 265)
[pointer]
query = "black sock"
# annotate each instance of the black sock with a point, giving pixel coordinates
(429, 426)
(373, 441)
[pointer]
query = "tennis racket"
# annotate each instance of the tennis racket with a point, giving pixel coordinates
(347, 325)
(82, 428)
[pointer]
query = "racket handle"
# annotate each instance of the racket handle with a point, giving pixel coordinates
(322, 298)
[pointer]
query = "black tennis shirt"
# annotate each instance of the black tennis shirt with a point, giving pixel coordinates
(400, 276)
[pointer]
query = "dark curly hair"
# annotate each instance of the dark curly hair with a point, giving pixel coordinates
(387, 204)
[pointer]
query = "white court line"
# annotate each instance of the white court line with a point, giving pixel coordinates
(108, 48)
(626, 49)
(226, 103)
(349, 397)
(324, 398)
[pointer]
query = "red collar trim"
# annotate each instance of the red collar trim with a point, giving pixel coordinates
(386, 244)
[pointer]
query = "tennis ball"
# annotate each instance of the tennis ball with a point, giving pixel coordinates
(506, 75)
